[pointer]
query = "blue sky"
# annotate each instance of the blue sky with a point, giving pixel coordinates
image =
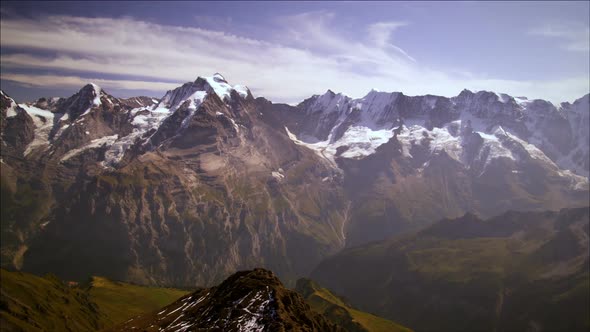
(287, 51)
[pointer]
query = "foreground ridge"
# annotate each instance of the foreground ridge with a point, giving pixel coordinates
(246, 301)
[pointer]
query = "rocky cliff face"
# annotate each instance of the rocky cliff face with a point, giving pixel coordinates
(207, 180)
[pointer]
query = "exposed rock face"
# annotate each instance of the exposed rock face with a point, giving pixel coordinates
(246, 301)
(513, 272)
(186, 189)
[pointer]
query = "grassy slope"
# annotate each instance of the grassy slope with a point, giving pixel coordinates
(325, 302)
(32, 303)
(121, 301)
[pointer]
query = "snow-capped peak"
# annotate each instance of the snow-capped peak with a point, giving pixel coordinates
(223, 89)
(93, 92)
(195, 92)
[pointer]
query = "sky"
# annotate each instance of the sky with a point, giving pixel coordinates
(288, 51)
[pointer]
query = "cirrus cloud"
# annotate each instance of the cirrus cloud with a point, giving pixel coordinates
(304, 56)
(574, 37)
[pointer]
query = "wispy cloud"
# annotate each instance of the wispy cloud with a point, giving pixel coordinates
(304, 56)
(63, 81)
(381, 33)
(573, 37)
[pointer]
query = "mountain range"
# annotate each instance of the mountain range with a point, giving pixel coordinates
(186, 189)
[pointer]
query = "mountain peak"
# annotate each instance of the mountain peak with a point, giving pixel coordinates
(465, 93)
(195, 92)
(253, 300)
(223, 89)
(92, 91)
(91, 87)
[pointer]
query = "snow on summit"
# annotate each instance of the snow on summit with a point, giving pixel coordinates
(220, 86)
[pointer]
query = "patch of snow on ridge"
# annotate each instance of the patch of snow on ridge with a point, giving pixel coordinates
(375, 103)
(329, 102)
(34, 111)
(97, 91)
(494, 143)
(242, 90)
(441, 139)
(257, 306)
(361, 142)
(43, 127)
(502, 97)
(195, 101)
(96, 143)
(11, 111)
(150, 118)
(522, 101)
(414, 133)
(532, 150)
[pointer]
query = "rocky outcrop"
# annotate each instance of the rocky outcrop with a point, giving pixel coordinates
(246, 301)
